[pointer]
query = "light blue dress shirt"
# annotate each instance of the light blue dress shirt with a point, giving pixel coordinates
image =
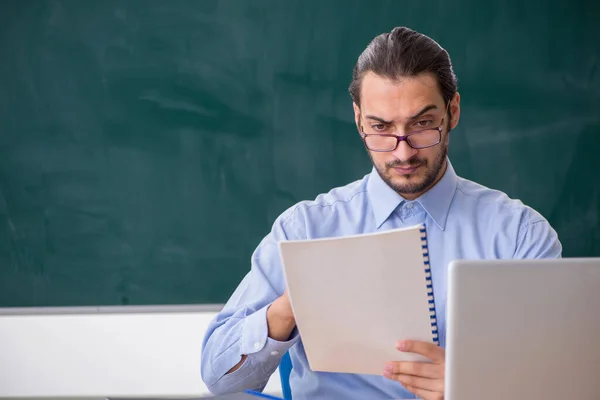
(464, 221)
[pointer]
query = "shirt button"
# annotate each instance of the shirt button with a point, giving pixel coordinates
(409, 205)
(257, 346)
(274, 352)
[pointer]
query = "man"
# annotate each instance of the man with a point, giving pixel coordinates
(405, 100)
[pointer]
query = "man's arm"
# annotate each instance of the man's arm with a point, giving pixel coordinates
(280, 323)
(245, 342)
(537, 239)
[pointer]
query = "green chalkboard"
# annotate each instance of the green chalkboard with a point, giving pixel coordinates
(147, 146)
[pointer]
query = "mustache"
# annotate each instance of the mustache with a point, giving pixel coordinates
(404, 164)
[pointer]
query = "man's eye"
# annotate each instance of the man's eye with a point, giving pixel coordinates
(378, 127)
(424, 123)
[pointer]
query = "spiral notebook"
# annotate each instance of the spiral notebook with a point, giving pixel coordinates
(354, 297)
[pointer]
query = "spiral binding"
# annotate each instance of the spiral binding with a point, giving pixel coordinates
(430, 297)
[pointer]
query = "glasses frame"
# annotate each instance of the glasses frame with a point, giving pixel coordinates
(405, 138)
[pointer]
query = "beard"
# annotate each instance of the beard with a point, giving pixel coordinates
(419, 185)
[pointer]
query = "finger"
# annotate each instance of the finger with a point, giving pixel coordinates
(432, 351)
(425, 394)
(423, 369)
(434, 385)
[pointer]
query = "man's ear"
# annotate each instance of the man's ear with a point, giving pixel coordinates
(356, 116)
(455, 109)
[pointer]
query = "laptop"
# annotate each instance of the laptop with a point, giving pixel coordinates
(523, 329)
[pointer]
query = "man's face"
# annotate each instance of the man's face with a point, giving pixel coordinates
(401, 107)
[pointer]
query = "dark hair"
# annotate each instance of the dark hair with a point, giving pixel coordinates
(404, 52)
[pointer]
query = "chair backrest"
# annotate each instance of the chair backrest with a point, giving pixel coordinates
(285, 368)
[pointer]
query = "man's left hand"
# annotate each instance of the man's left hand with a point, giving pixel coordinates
(424, 379)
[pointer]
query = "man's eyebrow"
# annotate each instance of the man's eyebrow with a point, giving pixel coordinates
(383, 121)
(417, 115)
(424, 110)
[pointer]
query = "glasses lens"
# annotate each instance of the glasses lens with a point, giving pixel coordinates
(381, 143)
(417, 140)
(422, 139)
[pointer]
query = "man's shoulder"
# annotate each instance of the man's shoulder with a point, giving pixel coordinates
(495, 202)
(352, 195)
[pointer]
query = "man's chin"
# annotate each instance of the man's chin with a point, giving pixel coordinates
(407, 184)
(413, 179)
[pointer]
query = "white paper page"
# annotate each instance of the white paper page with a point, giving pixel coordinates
(354, 297)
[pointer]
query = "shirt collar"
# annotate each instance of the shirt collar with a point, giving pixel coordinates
(436, 201)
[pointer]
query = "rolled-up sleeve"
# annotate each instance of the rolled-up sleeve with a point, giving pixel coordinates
(241, 326)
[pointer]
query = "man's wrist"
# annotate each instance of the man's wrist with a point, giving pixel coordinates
(280, 320)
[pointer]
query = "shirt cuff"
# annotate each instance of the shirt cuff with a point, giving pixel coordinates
(256, 340)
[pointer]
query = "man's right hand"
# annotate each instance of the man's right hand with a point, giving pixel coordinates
(280, 318)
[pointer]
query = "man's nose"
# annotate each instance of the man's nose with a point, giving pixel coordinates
(404, 152)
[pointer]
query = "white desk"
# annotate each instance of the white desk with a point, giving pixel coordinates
(105, 352)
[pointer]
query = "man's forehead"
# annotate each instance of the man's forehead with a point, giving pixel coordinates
(399, 99)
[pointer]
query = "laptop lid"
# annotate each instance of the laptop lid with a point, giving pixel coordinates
(523, 329)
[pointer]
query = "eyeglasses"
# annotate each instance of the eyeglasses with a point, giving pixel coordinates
(420, 139)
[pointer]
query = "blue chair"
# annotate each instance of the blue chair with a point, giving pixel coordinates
(285, 368)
